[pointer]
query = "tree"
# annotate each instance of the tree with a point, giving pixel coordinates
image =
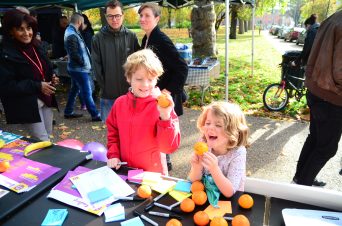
(220, 11)
(323, 8)
(131, 17)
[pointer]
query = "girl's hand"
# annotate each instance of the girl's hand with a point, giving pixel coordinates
(165, 113)
(114, 163)
(196, 161)
(209, 161)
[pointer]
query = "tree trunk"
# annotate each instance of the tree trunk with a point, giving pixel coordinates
(250, 24)
(241, 27)
(245, 25)
(203, 29)
(103, 17)
(233, 23)
(169, 18)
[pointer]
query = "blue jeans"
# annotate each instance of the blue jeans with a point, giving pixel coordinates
(106, 106)
(80, 82)
(82, 102)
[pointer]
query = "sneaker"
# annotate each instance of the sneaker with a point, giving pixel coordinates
(318, 183)
(83, 107)
(341, 172)
(96, 119)
(74, 115)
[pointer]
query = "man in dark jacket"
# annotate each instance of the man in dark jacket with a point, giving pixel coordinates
(110, 48)
(58, 38)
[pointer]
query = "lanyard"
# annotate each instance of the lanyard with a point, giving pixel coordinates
(39, 67)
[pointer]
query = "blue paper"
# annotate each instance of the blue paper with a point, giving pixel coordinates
(136, 221)
(99, 195)
(115, 212)
(55, 217)
(183, 186)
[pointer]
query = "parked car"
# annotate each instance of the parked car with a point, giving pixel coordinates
(293, 34)
(283, 31)
(301, 37)
(274, 29)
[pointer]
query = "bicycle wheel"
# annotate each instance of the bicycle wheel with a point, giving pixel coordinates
(275, 98)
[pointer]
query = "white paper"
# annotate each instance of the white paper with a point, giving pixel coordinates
(103, 177)
(302, 217)
(3, 192)
(115, 212)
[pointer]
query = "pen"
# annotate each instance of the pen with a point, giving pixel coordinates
(151, 204)
(228, 218)
(175, 204)
(122, 163)
(132, 198)
(162, 206)
(165, 215)
(142, 216)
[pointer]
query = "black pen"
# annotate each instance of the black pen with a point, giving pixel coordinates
(142, 216)
(165, 215)
(131, 198)
(151, 204)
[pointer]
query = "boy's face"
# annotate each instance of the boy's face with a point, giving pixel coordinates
(141, 83)
(214, 133)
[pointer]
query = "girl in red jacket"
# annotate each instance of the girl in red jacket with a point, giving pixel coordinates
(139, 131)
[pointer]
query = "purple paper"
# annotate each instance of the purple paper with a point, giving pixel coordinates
(17, 148)
(123, 177)
(136, 175)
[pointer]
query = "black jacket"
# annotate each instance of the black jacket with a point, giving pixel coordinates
(18, 88)
(175, 67)
(309, 40)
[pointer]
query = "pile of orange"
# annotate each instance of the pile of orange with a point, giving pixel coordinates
(163, 101)
(173, 222)
(200, 148)
(240, 220)
(197, 186)
(246, 201)
(187, 205)
(218, 221)
(201, 218)
(199, 197)
(144, 191)
(4, 166)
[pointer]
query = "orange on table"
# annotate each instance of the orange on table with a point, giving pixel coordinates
(173, 222)
(200, 147)
(197, 186)
(144, 191)
(246, 201)
(199, 197)
(4, 165)
(218, 221)
(240, 220)
(201, 218)
(163, 101)
(187, 205)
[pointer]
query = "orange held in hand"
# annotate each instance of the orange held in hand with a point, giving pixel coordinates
(173, 222)
(199, 197)
(163, 101)
(201, 218)
(4, 165)
(218, 221)
(246, 201)
(144, 191)
(197, 186)
(200, 148)
(187, 205)
(240, 220)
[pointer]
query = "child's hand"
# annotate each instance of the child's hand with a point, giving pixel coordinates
(196, 161)
(113, 163)
(165, 113)
(209, 161)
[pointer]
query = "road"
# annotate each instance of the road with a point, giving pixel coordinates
(280, 45)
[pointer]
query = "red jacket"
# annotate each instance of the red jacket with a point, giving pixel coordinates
(137, 136)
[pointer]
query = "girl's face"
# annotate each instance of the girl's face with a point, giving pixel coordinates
(147, 20)
(215, 134)
(23, 34)
(142, 84)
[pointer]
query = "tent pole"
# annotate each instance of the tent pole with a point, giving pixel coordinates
(226, 48)
(253, 26)
(76, 8)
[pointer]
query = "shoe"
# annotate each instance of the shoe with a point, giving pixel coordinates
(74, 115)
(83, 107)
(169, 166)
(341, 172)
(318, 183)
(54, 122)
(96, 119)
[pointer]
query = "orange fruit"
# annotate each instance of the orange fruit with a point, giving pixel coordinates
(187, 205)
(240, 220)
(201, 218)
(200, 148)
(173, 222)
(199, 197)
(218, 221)
(4, 165)
(197, 186)
(246, 201)
(163, 101)
(144, 191)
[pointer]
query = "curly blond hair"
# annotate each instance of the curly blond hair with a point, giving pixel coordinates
(146, 59)
(235, 125)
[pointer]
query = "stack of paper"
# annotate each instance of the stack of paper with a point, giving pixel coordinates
(136, 221)
(55, 217)
(135, 176)
(115, 212)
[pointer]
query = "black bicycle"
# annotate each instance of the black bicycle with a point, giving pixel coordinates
(276, 96)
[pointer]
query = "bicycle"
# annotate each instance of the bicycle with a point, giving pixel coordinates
(276, 95)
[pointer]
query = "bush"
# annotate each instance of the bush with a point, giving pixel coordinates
(183, 24)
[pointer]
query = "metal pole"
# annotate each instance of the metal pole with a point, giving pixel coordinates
(76, 8)
(253, 25)
(226, 48)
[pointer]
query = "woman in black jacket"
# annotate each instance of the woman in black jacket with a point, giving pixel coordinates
(175, 67)
(26, 77)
